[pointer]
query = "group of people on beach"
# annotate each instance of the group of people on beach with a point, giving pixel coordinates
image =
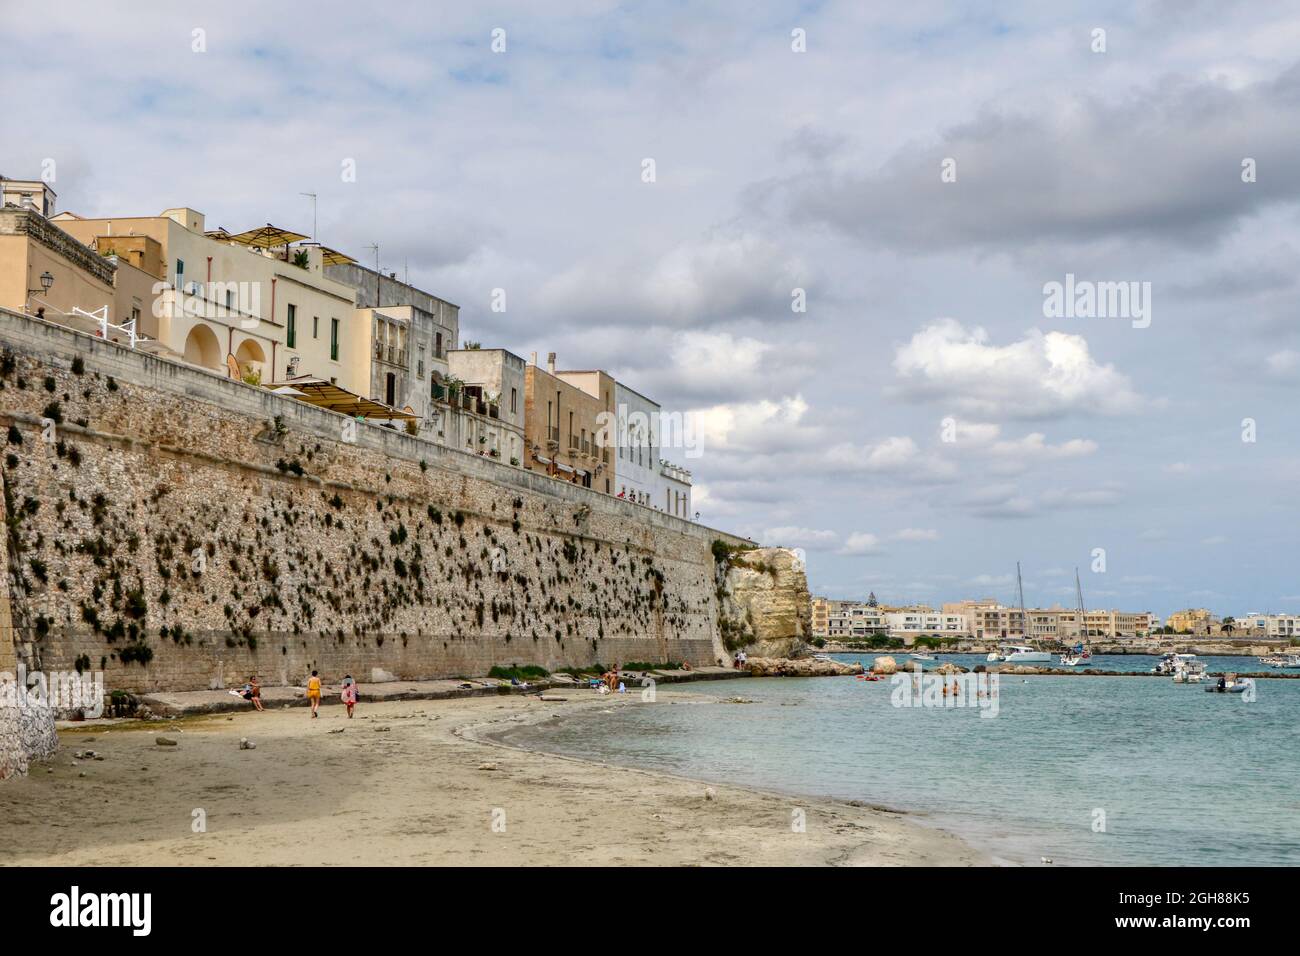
(252, 692)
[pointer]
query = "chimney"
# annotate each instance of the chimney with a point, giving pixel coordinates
(534, 360)
(550, 362)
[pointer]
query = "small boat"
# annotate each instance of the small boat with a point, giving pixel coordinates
(1023, 654)
(1189, 671)
(1071, 660)
(1230, 684)
(868, 676)
(922, 657)
(1170, 664)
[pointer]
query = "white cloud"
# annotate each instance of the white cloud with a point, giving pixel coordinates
(1284, 364)
(917, 534)
(860, 542)
(1042, 375)
(811, 539)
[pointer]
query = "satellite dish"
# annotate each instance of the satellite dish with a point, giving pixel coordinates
(232, 367)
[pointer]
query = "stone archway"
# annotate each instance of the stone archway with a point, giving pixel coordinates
(252, 360)
(202, 347)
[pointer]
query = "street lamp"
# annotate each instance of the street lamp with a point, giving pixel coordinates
(47, 280)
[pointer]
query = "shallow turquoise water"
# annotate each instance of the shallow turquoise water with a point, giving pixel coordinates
(1183, 777)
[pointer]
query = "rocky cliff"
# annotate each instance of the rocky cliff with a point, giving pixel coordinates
(763, 603)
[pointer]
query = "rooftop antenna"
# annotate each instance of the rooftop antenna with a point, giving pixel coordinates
(379, 276)
(312, 197)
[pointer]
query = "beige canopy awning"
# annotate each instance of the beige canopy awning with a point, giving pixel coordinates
(267, 237)
(332, 257)
(325, 394)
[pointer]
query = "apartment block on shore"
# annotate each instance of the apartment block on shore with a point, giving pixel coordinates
(982, 620)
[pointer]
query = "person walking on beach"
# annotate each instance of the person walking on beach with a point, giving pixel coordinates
(349, 693)
(313, 693)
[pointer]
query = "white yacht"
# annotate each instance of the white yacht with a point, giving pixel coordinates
(1021, 653)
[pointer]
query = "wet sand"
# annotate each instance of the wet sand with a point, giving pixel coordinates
(412, 783)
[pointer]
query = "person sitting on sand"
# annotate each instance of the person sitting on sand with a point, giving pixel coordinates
(313, 693)
(255, 692)
(349, 693)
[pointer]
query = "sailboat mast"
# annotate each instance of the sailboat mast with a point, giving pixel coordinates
(1020, 591)
(1078, 590)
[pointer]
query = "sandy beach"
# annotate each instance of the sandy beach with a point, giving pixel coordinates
(412, 783)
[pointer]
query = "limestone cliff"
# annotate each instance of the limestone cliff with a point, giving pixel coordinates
(763, 603)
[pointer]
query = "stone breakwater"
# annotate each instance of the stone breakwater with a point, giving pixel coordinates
(180, 531)
(800, 667)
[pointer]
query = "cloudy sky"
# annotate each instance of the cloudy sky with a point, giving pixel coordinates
(921, 171)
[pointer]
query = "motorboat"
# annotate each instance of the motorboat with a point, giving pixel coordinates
(1230, 684)
(1071, 660)
(922, 657)
(1170, 663)
(1190, 670)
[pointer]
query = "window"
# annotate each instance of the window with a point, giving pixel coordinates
(419, 365)
(291, 329)
(180, 273)
(334, 340)
(437, 345)
(315, 326)
(230, 300)
(514, 400)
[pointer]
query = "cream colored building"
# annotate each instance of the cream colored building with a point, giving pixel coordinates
(1273, 626)
(486, 414)
(272, 309)
(44, 270)
(34, 195)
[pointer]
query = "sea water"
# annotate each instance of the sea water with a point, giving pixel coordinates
(1081, 770)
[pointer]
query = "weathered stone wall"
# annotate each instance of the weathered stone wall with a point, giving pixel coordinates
(25, 732)
(765, 608)
(181, 531)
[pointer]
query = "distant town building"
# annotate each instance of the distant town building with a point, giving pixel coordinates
(1272, 626)
(1193, 621)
